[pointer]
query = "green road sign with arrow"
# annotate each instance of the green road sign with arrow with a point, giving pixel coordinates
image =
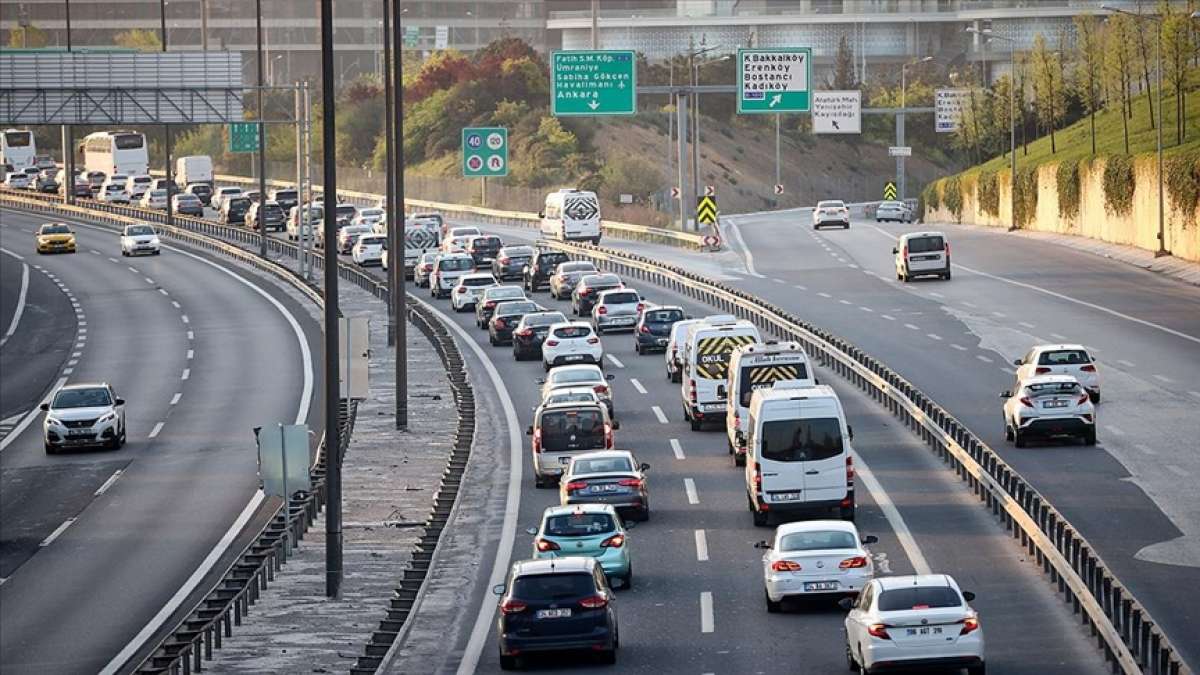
(774, 80)
(593, 82)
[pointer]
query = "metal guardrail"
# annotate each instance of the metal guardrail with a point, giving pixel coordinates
(1131, 640)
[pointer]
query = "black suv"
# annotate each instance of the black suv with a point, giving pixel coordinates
(484, 250)
(541, 266)
(234, 209)
(529, 334)
(587, 291)
(553, 605)
(506, 316)
(654, 328)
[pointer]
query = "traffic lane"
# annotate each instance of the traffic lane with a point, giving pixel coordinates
(153, 527)
(40, 344)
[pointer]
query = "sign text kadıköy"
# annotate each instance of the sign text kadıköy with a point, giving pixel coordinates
(774, 80)
(593, 82)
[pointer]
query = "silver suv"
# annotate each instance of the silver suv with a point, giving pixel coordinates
(82, 415)
(618, 308)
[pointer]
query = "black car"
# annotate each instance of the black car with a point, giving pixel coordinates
(484, 249)
(505, 318)
(269, 213)
(556, 605)
(202, 190)
(529, 334)
(583, 298)
(541, 266)
(234, 209)
(491, 297)
(286, 198)
(510, 262)
(654, 328)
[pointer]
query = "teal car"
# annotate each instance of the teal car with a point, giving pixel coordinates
(591, 530)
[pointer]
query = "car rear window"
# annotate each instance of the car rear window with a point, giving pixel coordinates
(1054, 388)
(802, 440)
(601, 465)
(564, 428)
(550, 587)
(578, 267)
(918, 597)
(519, 252)
(505, 292)
(602, 280)
(663, 316)
(486, 242)
(765, 377)
(549, 319)
(478, 281)
(1064, 357)
(816, 541)
(571, 376)
(925, 244)
(456, 265)
(515, 308)
(572, 332)
(579, 525)
(621, 298)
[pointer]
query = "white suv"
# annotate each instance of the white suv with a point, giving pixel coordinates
(1049, 406)
(469, 288)
(571, 342)
(831, 212)
(1071, 360)
(136, 239)
(81, 415)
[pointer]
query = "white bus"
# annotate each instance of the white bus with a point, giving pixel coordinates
(116, 152)
(17, 148)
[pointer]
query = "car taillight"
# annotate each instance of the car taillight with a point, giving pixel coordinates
(461, 289)
(1026, 402)
(1041, 371)
(505, 260)
(786, 566)
(593, 341)
(576, 485)
(594, 602)
(947, 248)
(600, 389)
(608, 436)
(489, 304)
(879, 630)
(853, 563)
(1088, 368)
(630, 482)
(544, 545)
(849, 470)
(513, 607)
(971, 623)
(602, 310)
(499, 322)
(904, 252)
(524, 332)
(641, 307)
(551, 343)
(692, 390)
(537, 440)
(1083, 398)
(756, 477)
(615, 541)
(585, 292)
(644, 329)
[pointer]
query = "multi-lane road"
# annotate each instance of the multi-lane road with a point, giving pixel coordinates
(96, 546)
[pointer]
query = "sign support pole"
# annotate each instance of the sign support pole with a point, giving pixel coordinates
(483, 191)
(262, 135)
(900, 158)
(777, 175)
(687, 196)
(397, 292)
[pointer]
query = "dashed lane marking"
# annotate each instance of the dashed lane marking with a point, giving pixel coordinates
(911, 326)
(176, 397)
(163, 291)
(21, 295)
(866, 309)
(1178, 471)
(824, 295)
(191, 335)
(1125, 363)
(191, 353)
(845, 302)
(701, 546)
(662, 419)
(983, 358)
(800, 288)
(706, 612)
(958, 347)
(108, 483)
(677, 448)
(637, 385)
(615, 361)
(1163, 378)
(157, 428)
(187, 372)
(689, 486)
(889, 317)
(184, 318)
(1060, 338)
(934, 336)
(56, 533)
(149, 280)
(1026, 324)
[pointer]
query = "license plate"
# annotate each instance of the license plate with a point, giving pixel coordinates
(1054, 404)
(924, 630)
(79, 432)
(604, 488)
(564, 460)
(662, 342)
(623, 320)
(573, 357)
(820, 585)
(560, 613)
(787, 497)
(712, 407)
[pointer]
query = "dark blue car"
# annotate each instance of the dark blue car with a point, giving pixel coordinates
(654, 328)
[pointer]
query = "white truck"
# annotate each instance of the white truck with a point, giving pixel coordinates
(705, 363)
(421, 236)
(193, 169)
(760, 366)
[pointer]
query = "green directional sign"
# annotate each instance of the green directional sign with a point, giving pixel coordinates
(593, 82)
(412, 36)
(774, 80)
(243, 137)
(485, 152)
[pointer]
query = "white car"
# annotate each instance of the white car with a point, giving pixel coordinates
(114, 193)
(674, 349)
(1064, 359)
(447, 268)
(922, 621)
(297, 228)
(469, 288)
(571, 342)
(581, 375)
(831, 212)
(369, 249)
(136, 186)
(371, 217)
(83, 415)
(815, 557)
(571, 394)
(154, 199)
(138, 239)
(1049, 406)
(457, 244)
(892, 210)
(348, 235)
(922, 254)
(16, 180)
(221, 194)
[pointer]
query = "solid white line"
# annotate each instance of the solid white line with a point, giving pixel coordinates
(175, 399)
(615, 361)
(21, 294)
(1163, 378)
(983, 358)
(689, 486)
(659, 414)
(737, 234)
(184, 591)
(677, 448)
(907, 542)
(701, 546)
(108, 483)
(706, 612)
(1125, 363)
(157, 428)
(958, 347)
(637, 385)
(57, 531)
(187, 372)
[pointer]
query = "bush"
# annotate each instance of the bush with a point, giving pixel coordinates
(952, 195)
(1183, 182)
(1026, 195)
(1118, 184)
(988, 193)
(1066, 178)
(931, 196)
(630, 175)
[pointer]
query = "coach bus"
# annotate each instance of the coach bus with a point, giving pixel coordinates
(17, 148)
(116, 152)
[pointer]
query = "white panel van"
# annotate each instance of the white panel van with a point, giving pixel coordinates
(705, 362)
(571, 215)
(760, 366)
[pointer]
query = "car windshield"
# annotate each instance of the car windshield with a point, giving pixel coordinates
(81, 398)
(345, 211)
(547, 319)
(625, 298)
(588, 465)
(925, 244)
(572, 429)
(138, 230)
(891, 205)
(241, 203)
(574, 376)
(286, 194)
(548, 587)
(802, 440)
(579, 525)
(1064, 357)
(572, 332)
(664, 315)
(816, 541)
(56, 229)
(918, 597)
(478, 281)
(428, 257)
(515, 308)
(158, 193)
(551, 260)
(456, 264)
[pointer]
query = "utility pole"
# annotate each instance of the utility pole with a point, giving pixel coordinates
(262, 135)
(68, 135)
(170, 170)
(595, 24)
(396, 290)
(204, 25)
(900, 122)
(687, 198)
(389, 173)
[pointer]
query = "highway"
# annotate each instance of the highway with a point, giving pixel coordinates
(697, 602)
(97, 544)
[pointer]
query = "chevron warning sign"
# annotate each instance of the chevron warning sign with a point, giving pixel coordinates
(889, 190)
(706, 210)
(712, 354)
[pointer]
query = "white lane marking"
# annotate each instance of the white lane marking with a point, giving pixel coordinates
(94, 252)
(662, 419)
(889, 317)
(157, 428)
(1125, 363)
(737, 234)
(936, 294)
(968, 304)
(1163, 378)
(845, 302)
(1178, 471)
(706, 612)
(82, 323)
(190, 353)
(149, 280)
(934, 336)
(701, 546)
(187, 372)
(903, 534)
(958, 347)
(779, 281)
(76, 354)
(852, 265)
(83, 330)
(184, 318)
(113, 260)
(1060, 338)
(79, 345)
(911, 326)
(56, 533)
(637, 385)
(824, 295)
(983, 358)
(615, 361)
(191, 335)
(800, 288)
(1026, 324)
(68, 371)
(175, 304)
(689, 486)
(108, 483)
(163, 291)
(1195, 393)
(73, 362)
(866, 309)
(677, 448)
(176, 397)
(184, 591)
(1114, 430)
(133, 269)
(1146, 449)
(21, 295)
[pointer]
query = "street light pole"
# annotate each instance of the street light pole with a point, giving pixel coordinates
(397, 293)
(262, 136)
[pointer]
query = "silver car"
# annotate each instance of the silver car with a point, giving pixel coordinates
(567, 275)
(617, 309)
(893, 211)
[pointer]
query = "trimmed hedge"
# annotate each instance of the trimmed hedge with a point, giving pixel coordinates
(1067, 179)
(988, 193)
(1119, 183)
(1183, 182)
(952, 196)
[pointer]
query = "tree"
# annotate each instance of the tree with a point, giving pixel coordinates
(630, 175)
(844, 76)
(1089, 61)
(27, 36)
(1048, 87)
(139, 39)
(1002, 113)
(1143, 59)
(1117, 63)
(1177, 48)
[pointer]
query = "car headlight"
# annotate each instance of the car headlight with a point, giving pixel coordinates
(53, 422)
(108, 418)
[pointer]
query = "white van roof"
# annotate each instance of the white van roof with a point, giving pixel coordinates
(789, 392)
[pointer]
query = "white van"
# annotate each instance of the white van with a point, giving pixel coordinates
(194, 169)
(674, 350)
(571, 215)
(705, 362)
(798, 453)
(760, 366)
(922, 254)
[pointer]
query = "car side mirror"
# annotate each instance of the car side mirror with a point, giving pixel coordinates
(540, 380)
(968, 596)
(895, 250)
(529, 430)
(120, 401)
(45, 407)
(498, 589)
(762, 544)
(870, 539)
(616, 425)
(1006, 394)
(846, 604)
(1017, 362)
(610, 377)
(644, 466)
(531, 531)
(850, 431)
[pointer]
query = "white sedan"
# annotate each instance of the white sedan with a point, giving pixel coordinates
(1049, 406)
(920, 621)
(153, 199)
(816, 557)
(892, 210)
(571, 342)
(369, 249)
(138, 239)
(582, 375)
(831, 212)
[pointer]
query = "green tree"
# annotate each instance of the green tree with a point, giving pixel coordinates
(844, 76)
(1002, 109)
(1089, 65)
(28, 36)
(139, 39)
(1048, 87)
(1144, 59)
(1118, 61)
(630, 175)
(1177, 48)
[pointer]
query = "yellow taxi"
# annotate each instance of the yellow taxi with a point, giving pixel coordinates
(55, 238)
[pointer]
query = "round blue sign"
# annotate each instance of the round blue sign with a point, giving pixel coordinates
(474, 140)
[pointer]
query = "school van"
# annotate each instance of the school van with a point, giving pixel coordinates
(759, 366)
(705, 360)
(798, 453)
(571, 215)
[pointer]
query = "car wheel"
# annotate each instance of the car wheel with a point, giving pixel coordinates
(157, 252)
(50, 449)
(1019, 438)
(627, 580)
(739, 460)
(1008, 434)
(862, 668)
(851, 664)
(122, 438)
(677, 377)
(508, 662)
(760, 517)
(846, 226)
(609, 657)
(492, 340)
(773, 606)
(980, 669)
(545, 366)
(695, 424)
(538, 481)
(1095, 396)
(1089, 437)
(905, 277)
(517, 356)
(946, 276)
